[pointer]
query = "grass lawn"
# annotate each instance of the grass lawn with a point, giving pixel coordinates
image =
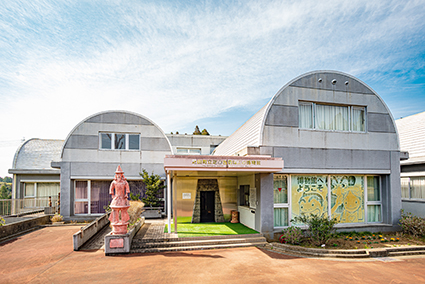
(186, 229)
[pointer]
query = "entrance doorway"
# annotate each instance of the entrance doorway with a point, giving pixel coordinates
(207, 206)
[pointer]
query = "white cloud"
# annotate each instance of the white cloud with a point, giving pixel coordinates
(178, 63)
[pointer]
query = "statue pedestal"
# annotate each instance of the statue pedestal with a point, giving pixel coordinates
(119, 244)
(119, 225)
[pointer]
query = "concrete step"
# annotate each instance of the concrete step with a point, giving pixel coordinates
(204, 242)
(322, 253)
(197, 247)
(409, 248)
(409, 252)
(147, 240)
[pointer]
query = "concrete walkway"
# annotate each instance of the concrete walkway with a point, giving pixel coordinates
(47, 256)
(153, 229)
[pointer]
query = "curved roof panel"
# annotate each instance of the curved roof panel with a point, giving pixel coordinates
(37, 154)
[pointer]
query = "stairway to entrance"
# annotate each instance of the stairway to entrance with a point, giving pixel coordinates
(151, 238)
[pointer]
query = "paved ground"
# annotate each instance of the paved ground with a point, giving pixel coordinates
(46, 256)
(152, 229)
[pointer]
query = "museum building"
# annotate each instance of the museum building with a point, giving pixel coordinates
(326, 143)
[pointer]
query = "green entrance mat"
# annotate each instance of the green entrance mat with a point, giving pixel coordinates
(186, 229)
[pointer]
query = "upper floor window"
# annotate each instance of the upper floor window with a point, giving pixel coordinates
(188, 151)
(331, 117)
(119, 141)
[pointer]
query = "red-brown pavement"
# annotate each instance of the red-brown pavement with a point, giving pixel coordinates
(47, 256)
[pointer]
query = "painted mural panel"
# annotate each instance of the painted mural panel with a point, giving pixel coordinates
(309, 195)
(347, 198)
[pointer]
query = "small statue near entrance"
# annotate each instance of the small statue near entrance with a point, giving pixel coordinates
(119, 204)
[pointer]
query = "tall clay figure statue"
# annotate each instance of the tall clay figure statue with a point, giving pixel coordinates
(119, 198)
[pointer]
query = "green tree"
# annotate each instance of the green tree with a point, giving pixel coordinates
(8, 179)
(197, 131)
(205, 132)
(4, 193)
(154, 186)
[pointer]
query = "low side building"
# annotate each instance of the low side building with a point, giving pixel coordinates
(33, 176)
(412, 139)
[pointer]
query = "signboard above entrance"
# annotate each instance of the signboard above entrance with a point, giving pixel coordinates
(222, 163)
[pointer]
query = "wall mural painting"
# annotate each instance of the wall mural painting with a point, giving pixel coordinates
(309, 195)
(347, 198)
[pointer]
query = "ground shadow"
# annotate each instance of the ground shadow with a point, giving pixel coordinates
(169, 254)
(278, 255)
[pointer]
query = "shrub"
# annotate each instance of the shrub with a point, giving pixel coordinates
(154, 186)
(291, 235)
(57, 218)
(320, 228)
(134, 197)
(2, 221)
(412, 225)
(135, 210)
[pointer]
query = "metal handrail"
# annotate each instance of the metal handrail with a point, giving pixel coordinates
(19, 206)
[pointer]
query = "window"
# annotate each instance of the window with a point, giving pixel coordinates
(374, 206)
(81, 197)
(29, 189)
(309, 195)
(405, 188)
(413, 187)
(41, 189)
(348, 198)
(133, 141)
(91, 196)
(188, 151)
(331, 117)
(244, 195)
(280, 200)
(119, 141)
(417, 187)
(36, 194)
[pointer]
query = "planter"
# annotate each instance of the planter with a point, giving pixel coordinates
(152, 212)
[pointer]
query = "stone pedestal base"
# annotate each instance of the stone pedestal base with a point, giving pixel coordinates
(119, 229)
(117, 244)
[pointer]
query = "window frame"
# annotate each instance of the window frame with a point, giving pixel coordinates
(409, 178)
(25, 190)
(188, 151)
(328, 181)
(283, 205)
(373, 202)
(126, 144)
(350, 108)
(35, 182)
(83, 199)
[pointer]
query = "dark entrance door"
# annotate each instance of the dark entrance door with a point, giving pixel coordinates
(207, 206)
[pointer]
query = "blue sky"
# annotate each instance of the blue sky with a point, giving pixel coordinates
(186, 63)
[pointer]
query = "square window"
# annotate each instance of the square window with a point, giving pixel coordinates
(280, 217)
(374, 213)
(29, 189)
(133, 141)
(119, 141)
(81, 207)
(81, 190)
(105, 141)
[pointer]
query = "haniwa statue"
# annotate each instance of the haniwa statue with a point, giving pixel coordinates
(119, 203)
